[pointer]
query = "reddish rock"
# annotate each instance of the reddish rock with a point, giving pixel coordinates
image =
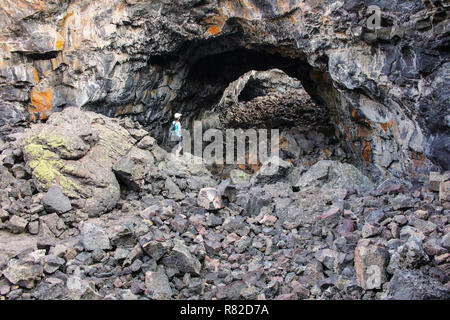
(370, 264)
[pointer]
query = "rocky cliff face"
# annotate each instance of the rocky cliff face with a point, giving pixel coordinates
(385, 89)
(93, 207)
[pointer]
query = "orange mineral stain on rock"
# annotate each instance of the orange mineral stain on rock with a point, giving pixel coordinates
(213, 30)
(59, 43)
(35, 76)
(367, 152)
(41, 103)
(386, 125)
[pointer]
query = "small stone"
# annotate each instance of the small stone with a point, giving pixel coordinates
(23, 273)
(4, 215)
(4, 290)
(410, 255)
(157, 285)
(19, 171)
(432, 247)
(426, 227)
(268, 220)
(213, 247)
(436, 178)
(16, 224)
(157, 249)
(94, 237)
(403, 202)
(238, 176)
(213, 220)
(408, 232)
(52, 264)
(445, 241)
(370, 264)
(182, 259)
(444, 191)
(33, 227)
(54, 200)
(210, 199)
(370, 230)
(421, 214)
(330, 218)
(375, 216)
(442, 258)
(400, 219)
(121, 254)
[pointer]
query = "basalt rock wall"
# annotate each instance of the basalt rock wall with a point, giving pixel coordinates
(386, 89)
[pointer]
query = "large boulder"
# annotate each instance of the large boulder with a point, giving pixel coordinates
(132, 168)
(332, 174)
(76, 151)
(414, 285)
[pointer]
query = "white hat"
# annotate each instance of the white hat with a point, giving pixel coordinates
(177, 115)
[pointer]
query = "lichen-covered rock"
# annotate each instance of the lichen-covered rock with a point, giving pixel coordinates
(76, 151)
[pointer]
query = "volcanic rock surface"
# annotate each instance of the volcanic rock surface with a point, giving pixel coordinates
(93, 205)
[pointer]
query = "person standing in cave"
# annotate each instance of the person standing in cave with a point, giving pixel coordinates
(175, 133)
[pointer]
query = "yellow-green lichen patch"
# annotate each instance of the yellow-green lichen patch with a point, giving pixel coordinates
(46, 168)
(36, 151)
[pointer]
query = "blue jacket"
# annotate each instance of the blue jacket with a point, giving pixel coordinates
(177, 128)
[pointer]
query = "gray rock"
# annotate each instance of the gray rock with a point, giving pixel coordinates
(210, 199)
(272, 170)
(16, 224)
(4, 215)
(23, 273)
(94, 237)
(410, 255)
(54, 224)
(444, 191)
(132, 168)
(55, 201)
(157, 285)
(174, 191)
(436, 178)
(403, 202)
(333, 174)
(52, 264)
(370, 264)
(414, 285)
(182, 259)
(157, 249)
(445, 241)
(236, 225)
(238, 176)
(370, 230)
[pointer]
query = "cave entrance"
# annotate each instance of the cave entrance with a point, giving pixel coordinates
(261, 88)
